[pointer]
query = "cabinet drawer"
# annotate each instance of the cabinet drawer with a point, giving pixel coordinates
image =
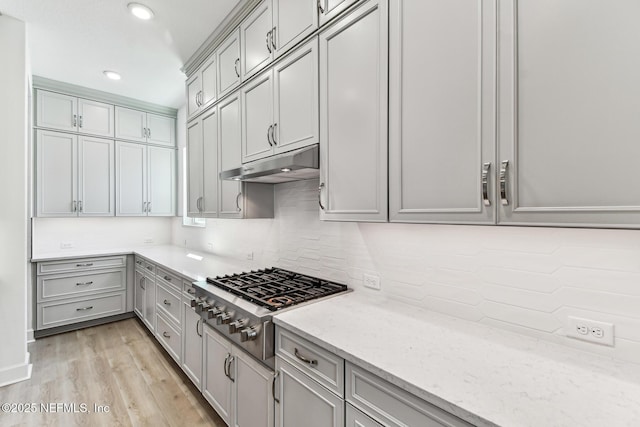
(169, 302)
(356, 418)
(392, 406)
(149, 268)
(80, 264)
(139, 262)
(321, 365)
(188, 289)
(66, 312)
(56, 286)
(169, 278)
(169, 337)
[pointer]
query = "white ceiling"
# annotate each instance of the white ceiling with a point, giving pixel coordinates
(75, 40)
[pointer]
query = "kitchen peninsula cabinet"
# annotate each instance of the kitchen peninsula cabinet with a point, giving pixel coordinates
(442, 111)
(353, 115)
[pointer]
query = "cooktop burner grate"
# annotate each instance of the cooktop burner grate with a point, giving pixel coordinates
(276, 288)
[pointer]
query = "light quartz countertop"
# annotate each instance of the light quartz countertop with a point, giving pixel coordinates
(193, 265)
(484, 375)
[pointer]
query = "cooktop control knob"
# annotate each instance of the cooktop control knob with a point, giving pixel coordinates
(248, 334)
(213, 312)
(203, 305)
(236, 325)
(223, 318)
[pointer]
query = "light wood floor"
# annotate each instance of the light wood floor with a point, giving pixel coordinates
(118, 364)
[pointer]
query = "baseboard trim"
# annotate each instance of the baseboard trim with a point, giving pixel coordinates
(16, 373)
(30, 337)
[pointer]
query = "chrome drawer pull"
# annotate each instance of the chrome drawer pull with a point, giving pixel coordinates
(485, 183)
(503, 183)
(139, 262)
(235, 67)
(320, 195)
(320, 8)
(238, 208)
(167, 278)
(84, 284)
(273, 387)
(166, 335)
(84, 308)
(197, 328)
(150, 267)
(268, 42)
(310, 362)
(191, 291)
(166, 302)
(86, 264)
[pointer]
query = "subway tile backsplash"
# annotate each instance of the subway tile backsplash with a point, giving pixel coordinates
(524, 279)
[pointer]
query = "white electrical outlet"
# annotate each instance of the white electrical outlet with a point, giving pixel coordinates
(66, 245)
(148, 240)
(250, 256)
(590, 330)
(371, 281)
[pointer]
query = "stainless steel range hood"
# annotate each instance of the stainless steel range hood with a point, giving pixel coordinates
(292, 166)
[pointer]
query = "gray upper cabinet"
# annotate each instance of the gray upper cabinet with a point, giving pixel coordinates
(134, 125)
(72, 114)
(569, 109)
(230, 156)
(257, 118)
(256, 40)
(353, 115)
(293, 20)
(74, 175)
(195, 164)
(201, 87)
(202, 162)
(329, 9)
(228, 58)
(442, 111)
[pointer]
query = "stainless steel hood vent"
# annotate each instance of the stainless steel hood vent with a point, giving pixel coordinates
(292, 166)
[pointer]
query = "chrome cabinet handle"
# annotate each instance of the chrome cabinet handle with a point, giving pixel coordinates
(84, 308)
(144, 132)
(320, 8)
(273, 134)
(273, 387)
(148, 132)
(273, 38)
(144, 206)
(269, 135)
(503, 183)
(150, 268)
(197, 328)
(167, 278)
(268, 41)
(166, 335)
(142, 280)
(235, 67)
(310, 362)
(320, 195)
(75, 120)
(84, 284)
(167, 302)
(80, 121)
(191, 291)
(79, 205)
(238, 202)
(148, 206)
(231, 359)
(85, 264)
(226, 360)
(139, 262)
(485, 183)
(75, 206)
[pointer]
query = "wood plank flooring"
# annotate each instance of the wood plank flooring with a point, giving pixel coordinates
(119, 365)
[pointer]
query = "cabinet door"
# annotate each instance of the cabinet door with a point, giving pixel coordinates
(216, 386)
(228, 56)
(257, 118)
(568, 107)
(194, 89)
(209, 203)
(192, 343)
(299, 396)
(96, 177)
(252, 392)
(161, 187)
(230, 156)
(57, 174)
(131, 179)
(150, 302)
(353, 115)
(139, 294)
(95, 118)
(56, 111)
(195, 159)
(293, 20)
(161, 130)
(442, 111)
(130, 124)
(329, 9)
(295, 104)
(256, 41)
(209, 73)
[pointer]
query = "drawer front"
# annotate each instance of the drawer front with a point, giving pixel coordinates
(323, 366)
(356, 418)
(53, 314)
(139, 262)
(189, 290)
(169, 302)
(56, 287)
(149, 268)
(81, 264)
(169, 337)
(392, 406)
(169, 278)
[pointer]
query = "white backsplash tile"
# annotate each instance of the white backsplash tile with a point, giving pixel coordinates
(523, 279)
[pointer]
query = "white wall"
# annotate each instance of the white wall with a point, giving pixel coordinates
(14, 359)
(526, 280)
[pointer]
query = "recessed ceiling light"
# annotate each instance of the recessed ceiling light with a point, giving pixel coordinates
(112, 75)
(140, 11)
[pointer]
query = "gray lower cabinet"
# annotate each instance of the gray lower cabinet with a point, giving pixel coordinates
(168, 313)
(77, 290)
(357, 418)
(192, 332)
